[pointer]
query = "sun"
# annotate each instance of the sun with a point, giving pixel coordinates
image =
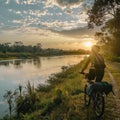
(88, 44)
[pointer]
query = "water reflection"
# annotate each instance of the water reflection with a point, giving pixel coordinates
(37, 62)
(20, 63)
(17, 64)
(4, 63)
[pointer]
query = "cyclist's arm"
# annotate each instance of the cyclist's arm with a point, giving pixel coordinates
(86, 64)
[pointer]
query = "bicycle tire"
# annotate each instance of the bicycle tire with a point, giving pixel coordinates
(99, 104)
(87, 98)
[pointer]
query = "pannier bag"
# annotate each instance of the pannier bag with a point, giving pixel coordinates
(103, 87)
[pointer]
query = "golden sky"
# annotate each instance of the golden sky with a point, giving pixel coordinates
(53, 23)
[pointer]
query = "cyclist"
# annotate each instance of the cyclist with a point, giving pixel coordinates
(96, 70)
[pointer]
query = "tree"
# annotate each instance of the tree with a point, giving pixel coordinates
(107, 14)
(101, 9)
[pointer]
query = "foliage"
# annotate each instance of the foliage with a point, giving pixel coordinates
(19, 50)
(26, 103)
(44, 88)
(107, 14)
(9, 96)
(19, 47)
(100, 9)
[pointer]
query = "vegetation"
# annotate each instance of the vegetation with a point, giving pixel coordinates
(19, 50)
(106, 13)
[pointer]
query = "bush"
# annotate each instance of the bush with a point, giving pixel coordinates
(76, 92)
(116, 59)
(44, 88)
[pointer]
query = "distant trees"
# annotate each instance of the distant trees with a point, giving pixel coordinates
(19, 47)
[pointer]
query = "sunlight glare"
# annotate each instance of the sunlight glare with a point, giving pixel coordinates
(88, 44)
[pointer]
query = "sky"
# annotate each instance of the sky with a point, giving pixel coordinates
(53, 23)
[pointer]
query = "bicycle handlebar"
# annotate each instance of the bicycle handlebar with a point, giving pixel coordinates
(85, 74)
(82, 73)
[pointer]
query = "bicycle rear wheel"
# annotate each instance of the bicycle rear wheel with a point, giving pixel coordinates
(99, 104)
(87, 98)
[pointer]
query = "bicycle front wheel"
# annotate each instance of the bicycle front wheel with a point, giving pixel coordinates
(99, 104)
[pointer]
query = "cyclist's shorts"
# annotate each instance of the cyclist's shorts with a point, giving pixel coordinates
(91, 74)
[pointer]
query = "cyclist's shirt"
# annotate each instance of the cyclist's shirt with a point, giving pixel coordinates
(97, 61)
(96, 70)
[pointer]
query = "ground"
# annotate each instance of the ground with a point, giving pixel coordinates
(113, 71)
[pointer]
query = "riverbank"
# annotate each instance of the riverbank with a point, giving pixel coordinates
(7, 56)
(20, 52)
(63, 98)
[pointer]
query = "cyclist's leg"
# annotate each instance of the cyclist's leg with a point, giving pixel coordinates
(91, 74)
(99, 75)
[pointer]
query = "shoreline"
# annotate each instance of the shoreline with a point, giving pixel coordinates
(34, 56)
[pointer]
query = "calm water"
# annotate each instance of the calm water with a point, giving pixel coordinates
(37, 71)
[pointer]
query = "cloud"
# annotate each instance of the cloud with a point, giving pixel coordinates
(16, 1)
(15, 12)
(63, 3)
(59, 25)
(79, 33)
(18, 12)
(17, 21)
(69, 3)
(47, 14)
(7, 1)
(37, 13)
(28, 2)
(26, 31)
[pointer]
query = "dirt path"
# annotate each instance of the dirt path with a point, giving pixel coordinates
(117, 95)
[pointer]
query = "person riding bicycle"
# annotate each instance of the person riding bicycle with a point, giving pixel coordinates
(96, 70)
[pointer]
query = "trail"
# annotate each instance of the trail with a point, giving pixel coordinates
(117, 95)
(112, 109)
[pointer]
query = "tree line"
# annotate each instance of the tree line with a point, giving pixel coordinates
(19, 48)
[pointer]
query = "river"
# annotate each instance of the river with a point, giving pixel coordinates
(36, 71)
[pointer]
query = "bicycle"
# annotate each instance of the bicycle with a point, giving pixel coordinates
(97, 98)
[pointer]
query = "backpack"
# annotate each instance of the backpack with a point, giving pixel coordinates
(107, 87)
(99, 62)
